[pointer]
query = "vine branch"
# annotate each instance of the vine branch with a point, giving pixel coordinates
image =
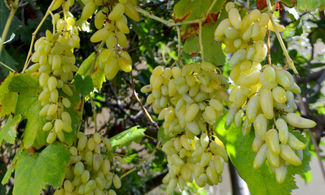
(284, 49)
(34, 36)
(200, 41)
(14, 7)
(6, 66)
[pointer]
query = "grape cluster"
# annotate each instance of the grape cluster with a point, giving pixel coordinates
(89, 172)
(112, 27)
(263, 97)
(189, 100)
(54, 60)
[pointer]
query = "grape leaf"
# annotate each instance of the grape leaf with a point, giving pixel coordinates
(186, 10)
(34, 171)
(126, 137)
(260, 181)
(8, 99)
(212, 51)
(9, 131)
(310, 5)
(98, 77)
(84, 85)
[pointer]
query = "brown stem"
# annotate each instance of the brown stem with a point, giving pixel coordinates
(317, 153)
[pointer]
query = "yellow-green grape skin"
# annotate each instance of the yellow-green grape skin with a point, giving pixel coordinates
(68, 186)
(219, 32)
(58, 125)
(280, 173)
(52, 109)
(117, 12)
(131, 12)
(100, 35)
(252, 108)
(78, 168)
(282, 127)
(289, 155)
(56, 4)
(266, 103)
(117, 182)
(88, 10)
(66, 102)
(67, 90)
(52, 83)
(51, 137)
(260, 157)
(260, 126)
(43, 79)
(82, 143)
(273, 158)
(279, 95)
(191, 112)
(272, 140)
(298, 121)
(283, 79)
(111, 192)
(90, 186)
(99, 19)
(234, 17)
(85, 176)
(48, 126)
(295, 143)
(257, 143)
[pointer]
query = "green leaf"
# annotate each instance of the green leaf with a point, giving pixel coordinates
(8, 99)
(98, 78)
(29, 106)
(212, 51)
(262, 180)
(86, 65)
(289, 3)
(35, 171)
(126, 137)
(84, 85)
(186, 10)
(9, 131)
(310, 5)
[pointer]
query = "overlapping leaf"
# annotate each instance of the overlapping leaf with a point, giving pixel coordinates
(212, 51)
(9, 131)
(126, 137)
(34, 171)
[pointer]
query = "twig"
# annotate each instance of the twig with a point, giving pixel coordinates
(94, 113)
(284, 49)
(179, 40)
(135, 94)
(127, 173)
(171, 23)
(6, 66)
(268, 46)
(317, 153)
(200, 41)
(34, 36)
(14, 7)
(247, 4)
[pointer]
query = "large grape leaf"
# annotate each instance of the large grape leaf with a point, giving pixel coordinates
(34, 171)
(9, 131)
(212, 51)
(28, 106)
(126, 137)
(261, 181)
(186, 10)
(8, 99)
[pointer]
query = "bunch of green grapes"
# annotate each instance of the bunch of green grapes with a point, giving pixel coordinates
(263, 97)
(199, 158)
(271, 112)
(89, 171)
(189, 100)
(54, 60)
(111, 22)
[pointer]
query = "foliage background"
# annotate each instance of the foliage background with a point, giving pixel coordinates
(151, 44)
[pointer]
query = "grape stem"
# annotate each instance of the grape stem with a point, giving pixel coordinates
(29, 55)
(14, 7)
(94, 113)
(6, 66)
(284, 49)
(179, 47)
(200, 41)
(171, 23)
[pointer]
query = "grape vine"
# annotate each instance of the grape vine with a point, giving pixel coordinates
(199, 99)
